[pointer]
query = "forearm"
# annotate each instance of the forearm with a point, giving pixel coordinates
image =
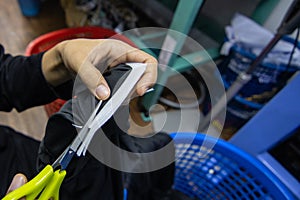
(22, 83)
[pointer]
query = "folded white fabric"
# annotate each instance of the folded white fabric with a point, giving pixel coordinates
(252, 37)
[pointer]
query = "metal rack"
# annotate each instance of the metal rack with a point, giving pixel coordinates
(182, 20)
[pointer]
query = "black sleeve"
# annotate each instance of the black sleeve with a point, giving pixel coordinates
(22, 84)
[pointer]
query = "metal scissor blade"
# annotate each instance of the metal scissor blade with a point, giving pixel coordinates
(64, 159)
(85, 129)
(113, 104)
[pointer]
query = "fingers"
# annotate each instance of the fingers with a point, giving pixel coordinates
(18, 181)
(135, 55)
(88, 58)
(148, 79)
(94, 80)
(150, 75)
(114, 52)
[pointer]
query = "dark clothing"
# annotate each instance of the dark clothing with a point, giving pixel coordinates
(17, 155)
(23, 86)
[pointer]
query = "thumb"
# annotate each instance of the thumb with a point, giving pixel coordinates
(94, 80)
(18, 181)
(102, 91)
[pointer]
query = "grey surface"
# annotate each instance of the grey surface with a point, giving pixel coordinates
(176, 121)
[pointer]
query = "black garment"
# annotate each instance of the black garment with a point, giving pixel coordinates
(17, 155)
(22, 86)
(87, 178)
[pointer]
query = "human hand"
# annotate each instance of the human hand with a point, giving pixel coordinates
(18, 181)
(89, 58)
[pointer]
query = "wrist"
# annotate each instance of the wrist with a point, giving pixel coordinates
(53, 67)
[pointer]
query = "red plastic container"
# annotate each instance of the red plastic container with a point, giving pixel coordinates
(49, 40)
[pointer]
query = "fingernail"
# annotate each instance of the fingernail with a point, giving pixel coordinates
(102, 92)
(17, 182)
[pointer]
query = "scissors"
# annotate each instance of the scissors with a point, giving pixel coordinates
(46, 184)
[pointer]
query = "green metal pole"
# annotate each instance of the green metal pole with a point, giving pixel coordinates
(183, 19)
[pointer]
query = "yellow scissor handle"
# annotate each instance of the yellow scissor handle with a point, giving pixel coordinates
(52, 189)
(47, 179)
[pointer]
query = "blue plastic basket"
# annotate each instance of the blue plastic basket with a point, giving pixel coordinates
(222, 172)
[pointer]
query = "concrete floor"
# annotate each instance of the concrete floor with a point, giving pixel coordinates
(16, 35)
(16, 32)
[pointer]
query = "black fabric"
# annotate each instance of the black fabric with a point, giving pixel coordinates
(22, 84)
(152, 185)
(17, 155)
(87, 178)
(177, 195)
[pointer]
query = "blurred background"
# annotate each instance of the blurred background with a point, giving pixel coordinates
(261, 118)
